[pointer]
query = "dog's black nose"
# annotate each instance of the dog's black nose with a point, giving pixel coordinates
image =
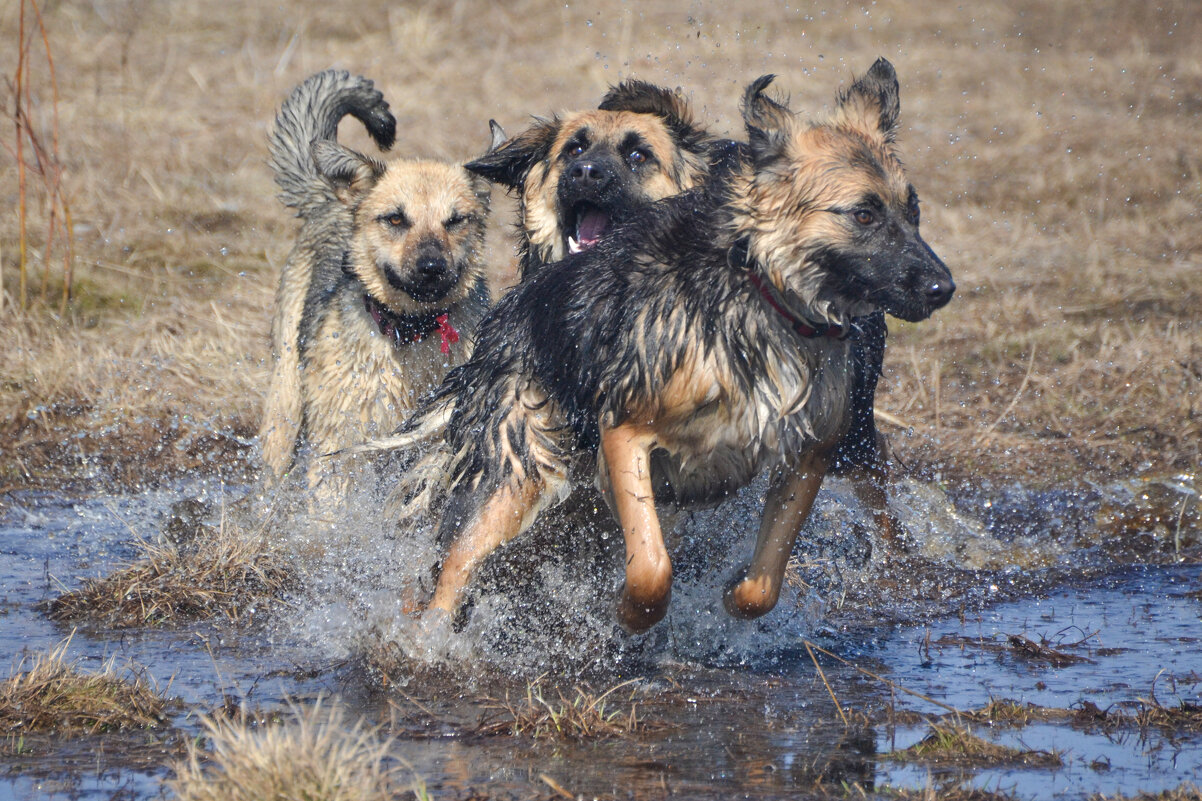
(589, 173)
(431, 265)
(940, 292)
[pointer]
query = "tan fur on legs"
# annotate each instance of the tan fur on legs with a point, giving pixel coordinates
(787, 506)
(648, 586)
(871, 487)
(506, 514)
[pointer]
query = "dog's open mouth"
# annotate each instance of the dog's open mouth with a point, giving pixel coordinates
(590, 223)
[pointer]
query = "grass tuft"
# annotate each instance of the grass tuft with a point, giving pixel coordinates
(950, 743)
(942, 792)
(54, 696)
(314, 756)
(222, 571)
(585, 716)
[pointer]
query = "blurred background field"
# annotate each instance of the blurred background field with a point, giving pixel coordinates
(1056, 148)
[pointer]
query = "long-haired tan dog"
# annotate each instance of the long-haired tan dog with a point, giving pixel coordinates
(703, 342)
(384, 289)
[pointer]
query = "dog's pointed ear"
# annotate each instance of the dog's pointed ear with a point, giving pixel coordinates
(669, 105)
(497, 133)
(508, 162)
(872, 103)
(768, 122)
(480, 185)
(351, 173)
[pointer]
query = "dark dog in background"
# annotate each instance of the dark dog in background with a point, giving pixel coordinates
(579, 174)
(700, 343)
(384, 289)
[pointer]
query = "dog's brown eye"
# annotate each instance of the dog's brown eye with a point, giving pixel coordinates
(396, 220)
(912, 211)
(863, 216)
(636, 157)
(455, 220)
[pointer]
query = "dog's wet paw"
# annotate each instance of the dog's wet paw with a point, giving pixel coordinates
(637, 617)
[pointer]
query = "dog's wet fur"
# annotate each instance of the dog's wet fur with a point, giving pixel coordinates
(384, 289)
(699, 343)
(579, 174)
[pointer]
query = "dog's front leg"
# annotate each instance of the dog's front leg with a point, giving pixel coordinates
(648, 585)
(790, 498)
(505, 514)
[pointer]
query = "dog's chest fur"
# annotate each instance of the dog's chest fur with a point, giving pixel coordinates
(683, 343)
(729, 428)
(364, 381)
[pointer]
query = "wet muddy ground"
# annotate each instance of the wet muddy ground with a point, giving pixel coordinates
(1081, 608)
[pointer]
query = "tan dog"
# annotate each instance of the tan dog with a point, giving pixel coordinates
(384, 289)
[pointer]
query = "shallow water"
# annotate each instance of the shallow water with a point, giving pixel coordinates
(732, 707)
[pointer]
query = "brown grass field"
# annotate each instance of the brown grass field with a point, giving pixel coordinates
(1056, 146)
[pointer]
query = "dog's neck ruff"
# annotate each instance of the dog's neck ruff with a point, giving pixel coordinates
(739, 258)
(402, 329)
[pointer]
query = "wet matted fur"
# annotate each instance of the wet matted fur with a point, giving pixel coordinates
(384, 289)
(691, 349)
(579, 174)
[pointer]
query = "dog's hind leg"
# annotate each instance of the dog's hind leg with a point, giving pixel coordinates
(790, 497)
(648, 586)
(505, 514)
(870, 483)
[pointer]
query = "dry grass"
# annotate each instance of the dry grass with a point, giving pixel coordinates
(222, 571)
(944, 792)
(1056, 148)
(1143, 713)
(950, 743)
(1007, 712)
(315, 756)
(54, 696)
(586, 716)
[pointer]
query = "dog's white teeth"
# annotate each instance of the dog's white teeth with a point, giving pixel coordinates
(573, 245)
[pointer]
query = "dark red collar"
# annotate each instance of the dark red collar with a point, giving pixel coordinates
(739, 257)
(402, 329)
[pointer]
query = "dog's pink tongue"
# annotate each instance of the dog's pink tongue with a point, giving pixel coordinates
(590, 227)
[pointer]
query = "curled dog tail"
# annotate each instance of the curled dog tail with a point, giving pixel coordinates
(311, 113)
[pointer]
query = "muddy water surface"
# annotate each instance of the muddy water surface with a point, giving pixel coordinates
(727, 708)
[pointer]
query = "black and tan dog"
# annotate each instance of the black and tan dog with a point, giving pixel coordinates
(691, 349)
(579, 174)
(384, 289)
